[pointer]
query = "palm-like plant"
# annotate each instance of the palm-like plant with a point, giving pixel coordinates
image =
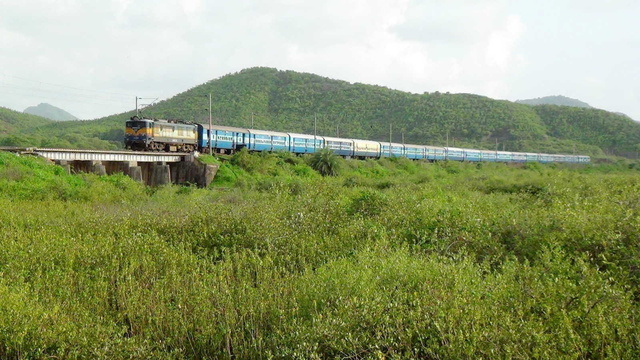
(326, 162)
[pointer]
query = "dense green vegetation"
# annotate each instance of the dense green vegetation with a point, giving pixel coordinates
(614, 133)
(293, 102)
(13, 121)
(26, 130)
(389, 259)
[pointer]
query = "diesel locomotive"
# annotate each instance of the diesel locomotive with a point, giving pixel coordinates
(160, 135)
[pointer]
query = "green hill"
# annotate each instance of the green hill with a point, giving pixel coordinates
(12, 123)
(292, 101)
(555, 100)
(50, 112)
(20, 129)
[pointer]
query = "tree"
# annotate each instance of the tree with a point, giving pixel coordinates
(326, 162)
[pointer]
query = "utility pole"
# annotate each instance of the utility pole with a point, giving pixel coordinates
(251, 120)
(446, 150)
(315, 128)
(143, 105)
(210, 125)
(390, 130)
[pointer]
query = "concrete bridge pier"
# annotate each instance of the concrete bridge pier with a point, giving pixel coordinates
(193, 172)
(135, 172)
(98, 168)
(131, 169)
(160, 174)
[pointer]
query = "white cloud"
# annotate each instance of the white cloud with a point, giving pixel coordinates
(501, 42)
(160, 48)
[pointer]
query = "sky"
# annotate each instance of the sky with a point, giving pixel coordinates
(93, 58)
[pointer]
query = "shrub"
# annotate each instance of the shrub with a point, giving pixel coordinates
(367, 203)
(325, 162)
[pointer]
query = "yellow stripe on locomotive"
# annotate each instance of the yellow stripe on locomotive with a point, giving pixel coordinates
(137, 131)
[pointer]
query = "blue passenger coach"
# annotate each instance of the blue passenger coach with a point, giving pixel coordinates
(260, 140)
(519, 157)
(455, 154)
(472, 155)
(304, 144)
(415, 152)
(504, 156)
(435, 153)
(224, 139)
(392, 150)
(532, 157)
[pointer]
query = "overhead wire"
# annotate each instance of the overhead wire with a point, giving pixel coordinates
(65, 86)
(17, 85)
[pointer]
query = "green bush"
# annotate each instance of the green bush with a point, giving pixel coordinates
(325, 162)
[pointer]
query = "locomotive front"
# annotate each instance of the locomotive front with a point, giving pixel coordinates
(138, 134)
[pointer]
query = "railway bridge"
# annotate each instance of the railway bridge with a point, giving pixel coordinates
(151, 168)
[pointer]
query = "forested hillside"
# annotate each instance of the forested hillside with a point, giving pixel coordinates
(20, 129)
(292, 102)
(13, 121)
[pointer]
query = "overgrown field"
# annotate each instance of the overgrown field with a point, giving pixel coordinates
(389, 259)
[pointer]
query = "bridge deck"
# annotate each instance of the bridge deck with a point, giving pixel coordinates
(99, 155)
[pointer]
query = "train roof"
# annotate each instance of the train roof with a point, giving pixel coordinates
(304, 136)
(269, 133)
(225, 128)
(328, 138)
(366, 141)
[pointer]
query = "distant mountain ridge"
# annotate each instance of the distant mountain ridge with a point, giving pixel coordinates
(50, 112)
(555, 100)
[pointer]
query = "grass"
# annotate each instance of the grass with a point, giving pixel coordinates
(389, 259)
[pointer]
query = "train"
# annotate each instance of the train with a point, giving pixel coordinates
(145, 134)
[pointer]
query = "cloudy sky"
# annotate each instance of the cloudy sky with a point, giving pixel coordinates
(92, 58)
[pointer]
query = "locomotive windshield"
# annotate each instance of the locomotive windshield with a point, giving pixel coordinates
(136, 124)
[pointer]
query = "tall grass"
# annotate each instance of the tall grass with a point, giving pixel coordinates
(391, 259)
